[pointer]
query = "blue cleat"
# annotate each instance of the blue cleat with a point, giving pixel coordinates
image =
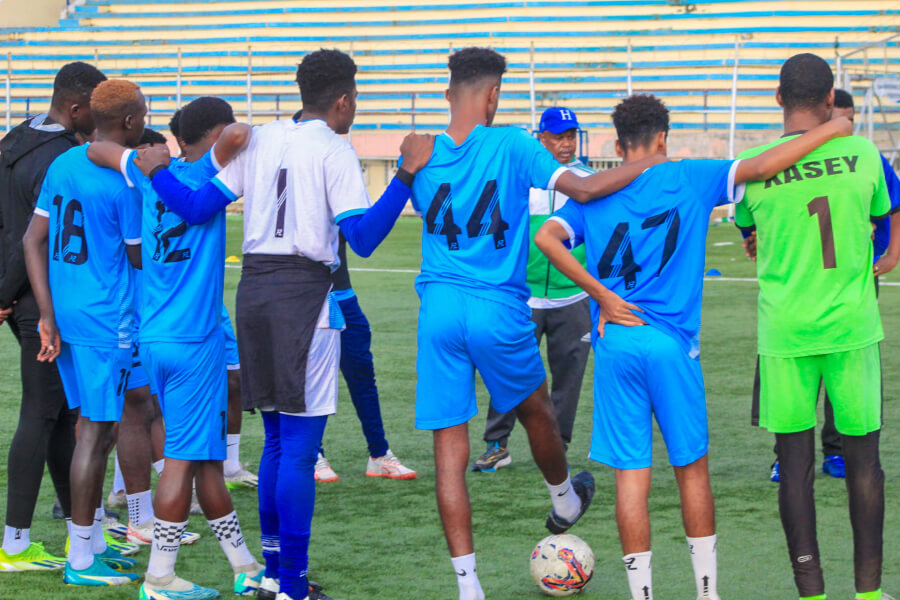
(99, 574)
(775, 475)
(834, 465)
(115, 560)
(174, 588)
(247, 583)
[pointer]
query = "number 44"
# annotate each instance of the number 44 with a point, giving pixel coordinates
(439, 217)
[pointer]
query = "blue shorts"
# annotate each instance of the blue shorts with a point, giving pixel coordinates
(138, 378)
(460, 332)
(232, 360)
(192, 386)
(95, 380)
(640, 372)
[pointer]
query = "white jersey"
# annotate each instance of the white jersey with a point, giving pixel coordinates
(296, 178)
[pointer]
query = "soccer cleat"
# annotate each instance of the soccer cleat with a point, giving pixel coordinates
(116, 529)
(315, 593)
(110, 517)
(117, 499)
(247, 583)
(494, 457)
(99, 574)
(583, 484)
(58, 511)
(115, 560)
(196, 509)
(123, 548)
(143, 535)
(775, 475)
(32, 558)
(268, 588)
(241, 479)
(388, 466)
(324, 472)
(174, 588)
(834, 465)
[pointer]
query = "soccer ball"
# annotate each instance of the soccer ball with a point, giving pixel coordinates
(562, 565)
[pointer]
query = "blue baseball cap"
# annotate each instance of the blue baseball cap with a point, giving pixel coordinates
(558, 119)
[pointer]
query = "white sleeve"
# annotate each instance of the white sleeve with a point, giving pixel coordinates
(735, 192)
(230, 180)
(345, 185)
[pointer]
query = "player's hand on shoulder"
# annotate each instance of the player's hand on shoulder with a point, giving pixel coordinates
(151, 157)
(416, 151)
(615, 310)
(842, 126)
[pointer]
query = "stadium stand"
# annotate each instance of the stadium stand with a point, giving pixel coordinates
(582, 54)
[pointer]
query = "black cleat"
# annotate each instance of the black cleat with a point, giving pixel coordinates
(268, 589)
(583, 484)
(315, 593)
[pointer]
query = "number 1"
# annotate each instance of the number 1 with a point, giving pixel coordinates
(819, 206)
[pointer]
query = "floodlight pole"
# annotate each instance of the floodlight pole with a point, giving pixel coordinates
(628, 70)
(531, 91)
(249, 85)
(734, 86)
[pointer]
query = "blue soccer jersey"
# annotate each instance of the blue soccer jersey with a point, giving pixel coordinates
(883, 226)
(92, 216)
(183, 265)
(474, 202)
(647, 242)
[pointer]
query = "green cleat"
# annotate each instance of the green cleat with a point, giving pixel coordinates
(32, 558)
(99, 574)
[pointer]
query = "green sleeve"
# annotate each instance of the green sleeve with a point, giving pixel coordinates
(881, 200)
(742, 215)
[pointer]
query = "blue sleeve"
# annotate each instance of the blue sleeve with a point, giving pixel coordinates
(203, 169)
(194, 206)
(571, 217)
(365, 231)
(534, 163)
(128, 213)
(711, 178)
(42, 207)
(893, 183)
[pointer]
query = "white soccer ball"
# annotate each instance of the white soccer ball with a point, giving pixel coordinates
(562, 565)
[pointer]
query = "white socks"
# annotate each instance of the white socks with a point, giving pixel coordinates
(640, 576)
(566, 502)
(15, 540)
(98, 540)
(158, 466)
(228, 532)
(140, 508)
(703, 558)
(164, 550)
(233, 453)
(467, 578)
(118, 486)
(81, 555)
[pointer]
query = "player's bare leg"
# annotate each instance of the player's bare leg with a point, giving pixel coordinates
(451, 461)
(570, 497)
(699, 516)
(633, 520)
(134, 453)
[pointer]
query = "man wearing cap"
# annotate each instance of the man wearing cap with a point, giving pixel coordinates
(559, 308)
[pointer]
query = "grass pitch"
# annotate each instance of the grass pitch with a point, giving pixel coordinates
(381, 540)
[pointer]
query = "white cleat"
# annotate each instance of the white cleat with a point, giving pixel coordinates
(142, 535)
(116, 499)
(241, 478)
(388, 466)
(324, 472)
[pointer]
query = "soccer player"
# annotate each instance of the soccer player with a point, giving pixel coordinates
(358, 370)
(301, 183)
(46, 428)
(814, 251)
(646, 245)
(236, 474)
(559, 308)
(474, 313)
(83, 287)
(183, 345)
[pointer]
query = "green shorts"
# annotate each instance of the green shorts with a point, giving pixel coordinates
(789, 389)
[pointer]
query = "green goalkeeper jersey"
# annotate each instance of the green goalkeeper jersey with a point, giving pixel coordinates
(814, 249)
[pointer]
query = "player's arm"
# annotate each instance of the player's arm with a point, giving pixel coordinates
(107, 154)
(133, 252)
(364, 232)
(36, 261)
(604, 183)
(780, 157)
(234, 139)
(551, 239)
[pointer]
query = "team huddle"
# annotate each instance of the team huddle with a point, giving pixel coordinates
(125, 256)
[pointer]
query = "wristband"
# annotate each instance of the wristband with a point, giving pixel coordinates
(405, 176)
(156, 170)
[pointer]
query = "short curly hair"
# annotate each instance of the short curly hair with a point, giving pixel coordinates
(200, 117)
(324, 76)
(74, 81)
(805, 81)
(113, 99)
(150, 137)
(173, 124)
(638, 118)
(472, 64)
(842, 99)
